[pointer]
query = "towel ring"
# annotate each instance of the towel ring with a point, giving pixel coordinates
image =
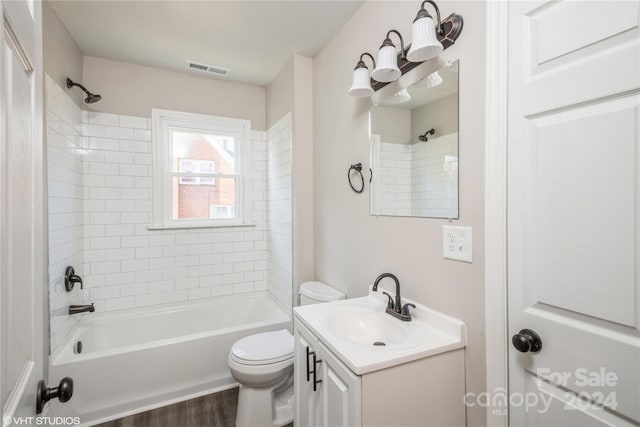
(358, 168)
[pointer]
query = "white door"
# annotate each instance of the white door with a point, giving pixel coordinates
(22, 244)
(340, 391)
(574, 212)
(306, 344)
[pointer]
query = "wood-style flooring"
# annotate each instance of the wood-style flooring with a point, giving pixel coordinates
(213, 410)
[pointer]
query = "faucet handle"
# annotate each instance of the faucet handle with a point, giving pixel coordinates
(405, 309)
(390, 302)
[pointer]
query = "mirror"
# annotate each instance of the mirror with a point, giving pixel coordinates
(414, 149)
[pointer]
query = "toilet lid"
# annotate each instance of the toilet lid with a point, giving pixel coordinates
(266, 347)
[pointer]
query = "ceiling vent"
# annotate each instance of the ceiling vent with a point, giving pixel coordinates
(204, 68)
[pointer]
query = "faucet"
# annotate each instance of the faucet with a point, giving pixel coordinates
(75, 309)
(394, 308)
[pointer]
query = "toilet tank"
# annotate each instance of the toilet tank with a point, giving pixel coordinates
(316, 292)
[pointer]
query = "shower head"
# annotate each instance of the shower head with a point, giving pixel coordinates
(91, 97)
(424, 137)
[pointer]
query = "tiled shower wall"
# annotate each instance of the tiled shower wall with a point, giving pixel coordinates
(434, 177)
(419, 179)
(279, 207)
(393, 184)
(65, 204)
(126, 264)
(100, 168)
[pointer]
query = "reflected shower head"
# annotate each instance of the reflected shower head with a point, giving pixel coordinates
(424, 137)
(91, 97)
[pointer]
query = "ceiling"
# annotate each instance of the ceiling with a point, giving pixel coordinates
(252, 38)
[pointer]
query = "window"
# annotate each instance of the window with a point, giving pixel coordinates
(199, 170)
(193, 166)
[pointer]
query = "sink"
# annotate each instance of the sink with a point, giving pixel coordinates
(367, 339)
(366, 327)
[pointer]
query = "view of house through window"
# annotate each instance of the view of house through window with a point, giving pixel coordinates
(204, 175)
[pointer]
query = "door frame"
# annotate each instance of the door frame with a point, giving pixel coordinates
(495, 209)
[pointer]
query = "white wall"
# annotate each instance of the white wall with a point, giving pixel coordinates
(65, 201)
(134, 90)
(440, 115)
(292, 91)
(352, 247)
(279, 216)
(62, 57)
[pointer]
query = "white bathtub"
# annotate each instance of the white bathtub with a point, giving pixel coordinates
(136, 360)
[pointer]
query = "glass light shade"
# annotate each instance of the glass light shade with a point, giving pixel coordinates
(361, 86)
(432, 80)
(425, 45)
(387, 69)
(399, 97)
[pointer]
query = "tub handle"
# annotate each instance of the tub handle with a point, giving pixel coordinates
(315, 365)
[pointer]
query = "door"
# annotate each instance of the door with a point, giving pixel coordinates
(340, 392)
(23, 242)
(574, 212)
(306, 344)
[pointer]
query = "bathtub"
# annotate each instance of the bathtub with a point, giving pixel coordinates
(136, 360)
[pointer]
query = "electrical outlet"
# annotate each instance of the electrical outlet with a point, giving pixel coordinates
(456, 243)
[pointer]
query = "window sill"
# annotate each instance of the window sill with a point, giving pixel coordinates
(189, 226)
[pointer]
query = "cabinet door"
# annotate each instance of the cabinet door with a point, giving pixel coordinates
(340, 392)
(306, 412)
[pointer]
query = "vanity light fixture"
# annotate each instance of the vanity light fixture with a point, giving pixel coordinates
(425, 44)
(361, 86)
(429, 40)
(387, 69)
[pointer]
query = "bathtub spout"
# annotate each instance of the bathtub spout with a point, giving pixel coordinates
(75, 309)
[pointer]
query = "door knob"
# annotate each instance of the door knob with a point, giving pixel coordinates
(527, 341)
(63, 392)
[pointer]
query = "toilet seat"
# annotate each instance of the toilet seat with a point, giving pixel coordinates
(263, 349)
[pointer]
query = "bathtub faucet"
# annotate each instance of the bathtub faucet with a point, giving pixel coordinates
(75, 309)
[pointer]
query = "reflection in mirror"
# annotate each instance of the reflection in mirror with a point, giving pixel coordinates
(414, 149)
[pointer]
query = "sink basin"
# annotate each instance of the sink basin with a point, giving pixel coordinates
(366, 327)
(367, 339)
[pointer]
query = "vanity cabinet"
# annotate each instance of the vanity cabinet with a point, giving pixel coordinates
(334, 401)
(425, 392)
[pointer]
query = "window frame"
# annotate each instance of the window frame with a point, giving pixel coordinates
(164, 122)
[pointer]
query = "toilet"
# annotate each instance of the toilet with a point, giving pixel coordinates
(263, 365)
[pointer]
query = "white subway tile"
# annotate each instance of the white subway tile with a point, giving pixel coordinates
(134, 265)
(134, 289)
(119, 278)
(199, 293)
(176, 296)
(120, 254)
(133, 122)
(240, 288)
(142, 135)
(148, 300)
(188, 283)
(118, 132)
(122, 303)
(187, 238)
(162, 286)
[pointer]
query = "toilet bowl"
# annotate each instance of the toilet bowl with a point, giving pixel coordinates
(263, 366)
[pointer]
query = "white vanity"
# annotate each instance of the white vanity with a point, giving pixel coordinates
(356, 365)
